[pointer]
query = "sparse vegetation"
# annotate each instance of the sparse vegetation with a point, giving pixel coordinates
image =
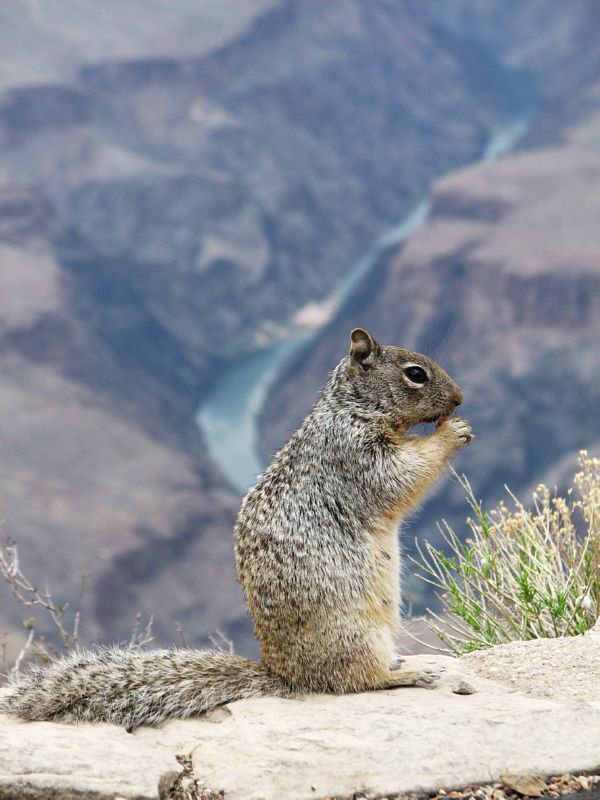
(65, 628)
(66, 622)
(522, 573)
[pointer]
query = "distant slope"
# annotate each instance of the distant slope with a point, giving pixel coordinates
(168, 204)
(45, 42)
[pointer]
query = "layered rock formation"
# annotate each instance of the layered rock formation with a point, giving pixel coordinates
(161, 212)
(173, 189)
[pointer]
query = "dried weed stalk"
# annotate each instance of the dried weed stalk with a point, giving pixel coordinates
(37, 646)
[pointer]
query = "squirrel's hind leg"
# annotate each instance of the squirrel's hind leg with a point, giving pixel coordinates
(388, 673)
(367, 661)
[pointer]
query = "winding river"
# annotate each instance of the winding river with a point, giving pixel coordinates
(228, 417)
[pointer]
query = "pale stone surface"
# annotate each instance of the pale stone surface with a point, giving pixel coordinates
(311, 747)
(90, 757)
(565, 667)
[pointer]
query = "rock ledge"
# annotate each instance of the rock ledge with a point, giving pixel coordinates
(382, 742)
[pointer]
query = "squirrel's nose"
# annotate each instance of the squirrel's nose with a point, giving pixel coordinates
(457, 396)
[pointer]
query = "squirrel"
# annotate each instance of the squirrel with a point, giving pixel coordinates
(316, 552)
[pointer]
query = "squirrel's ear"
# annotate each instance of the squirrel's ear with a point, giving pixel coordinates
(363, 347)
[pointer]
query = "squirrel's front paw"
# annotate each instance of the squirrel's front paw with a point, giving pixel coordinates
(459, 429)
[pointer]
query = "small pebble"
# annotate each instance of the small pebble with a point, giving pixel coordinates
(463, 688)
(526, 785)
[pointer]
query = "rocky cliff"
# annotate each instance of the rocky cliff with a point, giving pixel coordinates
(173, 192)
(369, 744)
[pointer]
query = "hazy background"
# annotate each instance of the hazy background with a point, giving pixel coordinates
(200, 198)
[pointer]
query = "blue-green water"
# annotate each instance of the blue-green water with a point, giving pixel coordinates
(228, 417)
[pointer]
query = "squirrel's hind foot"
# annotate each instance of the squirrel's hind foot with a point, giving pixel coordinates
(413, 677)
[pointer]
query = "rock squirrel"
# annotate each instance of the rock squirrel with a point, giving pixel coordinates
(317, 555)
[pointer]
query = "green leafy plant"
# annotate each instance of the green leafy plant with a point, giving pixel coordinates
(522, 573)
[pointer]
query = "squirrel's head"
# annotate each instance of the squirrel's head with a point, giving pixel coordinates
(408, 387)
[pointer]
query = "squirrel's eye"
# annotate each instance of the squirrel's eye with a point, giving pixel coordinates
(416, 374)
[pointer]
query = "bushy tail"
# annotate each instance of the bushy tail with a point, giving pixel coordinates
(132, 688)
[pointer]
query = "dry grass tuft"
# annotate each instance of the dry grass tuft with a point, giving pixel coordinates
(522, 573)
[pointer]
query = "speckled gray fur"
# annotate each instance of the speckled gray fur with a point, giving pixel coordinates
(316, 553)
